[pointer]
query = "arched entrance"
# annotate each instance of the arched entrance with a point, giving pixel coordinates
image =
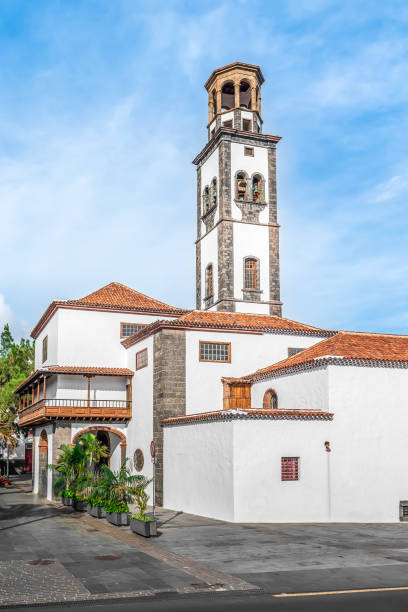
(103, 438)
(43, 463)
(115, 440)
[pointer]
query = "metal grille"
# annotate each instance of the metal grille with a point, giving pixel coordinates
(141, 359)
(128, 329)
(251, 274)
(211, 351)
(290, 468)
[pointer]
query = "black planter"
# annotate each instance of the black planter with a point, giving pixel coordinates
(67, 501)
(96, 511)
(80, 506)
(89, 508)
(144, 528)
(118, 518)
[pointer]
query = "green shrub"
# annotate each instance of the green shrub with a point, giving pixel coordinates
(115, 505)
(142, 517)
(97, 502)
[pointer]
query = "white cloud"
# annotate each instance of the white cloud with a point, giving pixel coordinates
(5, 312)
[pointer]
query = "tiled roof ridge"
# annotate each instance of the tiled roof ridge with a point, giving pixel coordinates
(115, 285)
(247, 414)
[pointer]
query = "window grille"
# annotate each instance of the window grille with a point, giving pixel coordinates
(290, 468)
(251, 274)
(141, 359)
(128, 329)
(215, 351)
(294, 351)
(45, 349)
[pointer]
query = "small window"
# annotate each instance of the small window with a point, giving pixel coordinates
(270, 400)
(294, 351)
(215, 351)
(45, 349)
(241, 185)
(128, 329)
(249, 151)
(228, 123)
(251, 273)
(290, 468)
(246, 126)
(214, 192)
(141, 359)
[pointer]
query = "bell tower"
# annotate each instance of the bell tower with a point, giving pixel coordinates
(237, 247)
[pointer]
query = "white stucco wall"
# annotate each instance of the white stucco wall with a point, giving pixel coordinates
(251, 240)
(301, 391)
(198, 469)
(232, 470)
(140, 428)
(102, 387)
(369, 443)
(50, 330)
(92, 338)
(248, 353)
(209, 255)
(257, 163)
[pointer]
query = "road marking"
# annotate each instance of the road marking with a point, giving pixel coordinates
(312, 594)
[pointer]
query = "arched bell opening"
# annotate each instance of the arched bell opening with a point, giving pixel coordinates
(227, 96)
(245, 95)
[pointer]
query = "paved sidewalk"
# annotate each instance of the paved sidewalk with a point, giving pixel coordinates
(49, 553)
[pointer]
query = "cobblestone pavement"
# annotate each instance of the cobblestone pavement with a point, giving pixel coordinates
(49, 553)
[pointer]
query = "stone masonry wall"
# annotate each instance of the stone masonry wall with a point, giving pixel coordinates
(225, 233)
(169, 389)
(198, 243)
(61, 435)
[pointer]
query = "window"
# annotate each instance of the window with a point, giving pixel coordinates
(246, 126)
(45, 349)
(141, 359)
(241, 185)
(206, 200)
(290, 468)
(227, 96)
(244, 95)
(128, 329)
(215, 351)
(294, 351)
(251, 273)
(249, 151)
(214, 192)
(209, 287)
(270, 400)
(228, 123)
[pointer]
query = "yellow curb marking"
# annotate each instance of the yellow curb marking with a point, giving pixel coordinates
(404, 588)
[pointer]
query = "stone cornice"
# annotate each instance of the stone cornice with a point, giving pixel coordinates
(239, 136)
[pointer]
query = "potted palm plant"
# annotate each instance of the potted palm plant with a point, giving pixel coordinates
(118, 488)
(141, 523)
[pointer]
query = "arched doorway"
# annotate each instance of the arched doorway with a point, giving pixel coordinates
(43, 463)
(115, 440)
(103, 438)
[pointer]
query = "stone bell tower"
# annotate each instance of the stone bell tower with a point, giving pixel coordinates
(237, 247)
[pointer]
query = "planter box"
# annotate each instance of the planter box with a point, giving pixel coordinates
(88, 508)
(144, 528)
(118, 518)
(96, 511)
(67, 501)
(80, 506)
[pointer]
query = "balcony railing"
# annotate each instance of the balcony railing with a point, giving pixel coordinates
(66, 408)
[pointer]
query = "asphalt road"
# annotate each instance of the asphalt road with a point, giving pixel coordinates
(389, 601)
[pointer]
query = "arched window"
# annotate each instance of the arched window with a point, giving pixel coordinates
(241, 185)
(206, 199)
(214, 192)
(270, 400)
(214, 103)
(244, 94)
(251, 273)
(209, 285)
(227, 96)
(256, 188)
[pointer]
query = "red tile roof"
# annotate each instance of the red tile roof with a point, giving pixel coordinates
(83, 370)
(229, 415)
(347, 345)
(115, 298)
(230, 321)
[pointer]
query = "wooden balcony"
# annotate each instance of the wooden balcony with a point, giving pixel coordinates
(75, 409)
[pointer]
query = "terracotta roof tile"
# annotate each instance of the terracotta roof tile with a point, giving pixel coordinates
(116, 294)
(347, 345)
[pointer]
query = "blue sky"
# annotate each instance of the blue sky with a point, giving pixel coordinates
(102, 109)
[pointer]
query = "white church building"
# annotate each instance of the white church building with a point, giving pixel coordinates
(256, 418)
